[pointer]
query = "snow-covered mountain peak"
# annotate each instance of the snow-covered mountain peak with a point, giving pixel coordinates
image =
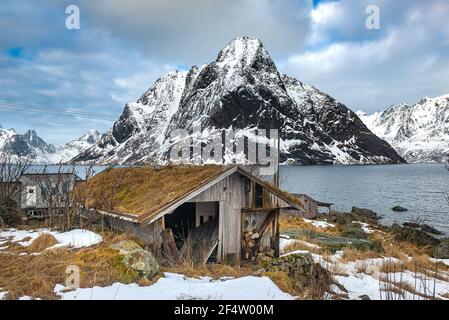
(90, 137)
(241, 51)
(419, 132)
(241, 89)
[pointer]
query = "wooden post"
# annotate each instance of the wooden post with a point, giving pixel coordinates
(277, 234)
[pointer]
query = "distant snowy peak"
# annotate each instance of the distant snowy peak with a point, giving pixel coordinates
(241, 89)
(23, 145)
(419, 132)
(30, 145)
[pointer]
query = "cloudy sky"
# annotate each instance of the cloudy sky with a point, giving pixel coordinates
(122, 47)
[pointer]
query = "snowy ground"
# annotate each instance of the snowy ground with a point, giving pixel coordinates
(358, 283)
(319, 223)
(286, 241)
(178, 287)
(75, 238)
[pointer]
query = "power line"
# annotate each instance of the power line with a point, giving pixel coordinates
(72, 112)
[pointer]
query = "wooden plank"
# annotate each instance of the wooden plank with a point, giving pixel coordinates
(201, 242)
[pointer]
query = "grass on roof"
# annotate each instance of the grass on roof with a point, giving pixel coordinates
(143, 190)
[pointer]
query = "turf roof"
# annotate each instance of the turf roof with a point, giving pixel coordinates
(142, 191)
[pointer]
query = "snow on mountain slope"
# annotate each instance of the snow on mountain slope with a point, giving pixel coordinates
(419, 132)
(21, 145)
(241, 89)
(32, 146)
(66, 152)
(141, 128)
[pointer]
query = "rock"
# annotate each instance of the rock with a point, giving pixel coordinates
(424, 227)
(125, 246)
(364, 212)
(411, 224)
(356, 214)
(339, 217)
(137, 259)
(303, 272)
(364, 297)
(399, 209)
(441, 251)
(354, 231)
(430, 229)
(412, 235)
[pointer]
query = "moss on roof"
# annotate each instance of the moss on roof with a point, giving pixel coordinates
(142, 191)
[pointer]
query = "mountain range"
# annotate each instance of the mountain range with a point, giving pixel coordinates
(33, 147)
(419, 132)
(241, 89)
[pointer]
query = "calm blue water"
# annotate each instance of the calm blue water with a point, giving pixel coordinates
(81, 171)
(417, 187)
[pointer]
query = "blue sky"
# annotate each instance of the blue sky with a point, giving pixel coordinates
(124, 46)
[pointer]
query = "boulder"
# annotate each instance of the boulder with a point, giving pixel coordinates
(399, 209)
(441, 251)
(412, 225)
(356, 214)
(353, 231)
(303, 271)
(364, 215)
(413, 235)
(430, 229)
(424, 227)
(137, 259)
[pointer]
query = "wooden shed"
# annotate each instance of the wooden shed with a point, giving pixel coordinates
(227, 213)
(312, 206)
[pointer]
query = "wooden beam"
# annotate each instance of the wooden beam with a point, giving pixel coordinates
(270, 217)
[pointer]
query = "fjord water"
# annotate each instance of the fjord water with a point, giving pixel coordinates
(417, 187)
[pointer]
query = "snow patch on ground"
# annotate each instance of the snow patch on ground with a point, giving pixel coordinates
(365, 226)
(76, 238)
(319, 223)
(179, 287)
(445, 261)
(286, 241)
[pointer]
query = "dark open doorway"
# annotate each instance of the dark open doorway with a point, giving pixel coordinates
(181, 221)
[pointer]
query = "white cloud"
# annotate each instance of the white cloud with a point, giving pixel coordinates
(403, 62)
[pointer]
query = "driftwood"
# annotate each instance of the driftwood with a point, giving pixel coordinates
(169, 246)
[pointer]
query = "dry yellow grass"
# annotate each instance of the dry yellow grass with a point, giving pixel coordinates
(213, 270)
(289, 222)
(301, 245)
(37, 275)
(353, 254)
(42, 242)
(283, 281)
